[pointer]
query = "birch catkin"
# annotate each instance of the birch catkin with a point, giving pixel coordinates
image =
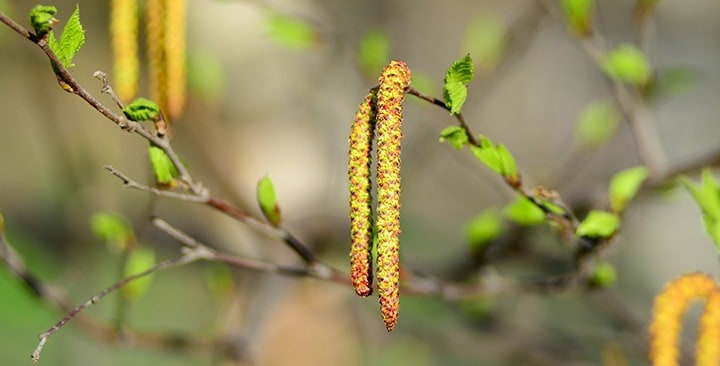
(124, 34)
(155, 45)
(175, 55)
(360, 141)
(393, 81)
(666, 326)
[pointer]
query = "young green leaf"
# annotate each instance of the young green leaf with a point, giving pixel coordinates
(142, 109)
(268, 201)
(165, 170)
(112, 228)
(140, 259)
(624, 185)
(497, 158)
(458, 76)
(598, 224)
(42, 18)
(627, 64)
(455, 135)
(707, 196)
(485, 39)
(598, 124)
(374, 52)
(483, 228)
(578, 15)
(71, 39)
(524, 212)
(291, 31)
(603, 275)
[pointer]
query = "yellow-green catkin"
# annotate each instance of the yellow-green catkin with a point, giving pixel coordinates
(361, 137)
(155, 46)
(124, 24)
(394, 79)
(175, 55)
(666, 326)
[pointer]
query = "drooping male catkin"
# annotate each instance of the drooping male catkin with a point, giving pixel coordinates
(175, 55)
(394, 79)
(666, 326)
(155, 46)
(124, 25)
(361, 136)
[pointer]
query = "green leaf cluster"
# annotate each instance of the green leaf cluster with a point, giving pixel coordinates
(624, 185)
(42, 18)
(455, 135)
(495, 157)
(114, 230)
(141, 259)
(165, 170)
(484, 228)
(627, 64)
(598, 224)
(458, 76)
(524, 212)
(598, 123)
(268, 201)
(291, 31)
(374, 52)
(71, 39)
(603, 275)
(142, 109)
(578, 15)
(707, 196)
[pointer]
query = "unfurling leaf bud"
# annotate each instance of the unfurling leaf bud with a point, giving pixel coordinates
(393, 81)
(361, 137)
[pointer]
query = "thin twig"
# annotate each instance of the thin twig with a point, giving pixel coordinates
(130, 183)
(188, 257)
(458, 116)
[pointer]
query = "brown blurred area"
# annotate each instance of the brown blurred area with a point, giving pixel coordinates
(286, 113)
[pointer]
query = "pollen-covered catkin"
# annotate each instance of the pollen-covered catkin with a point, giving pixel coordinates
(394, 79)
(175, 55)
(360, 141)
(666, 326)
(124, 25)
(155, 45)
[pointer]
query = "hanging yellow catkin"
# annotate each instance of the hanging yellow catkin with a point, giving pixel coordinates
(666, 326)
(360, 141)
(124, 34)
(394, 79)
(175, 55)
(155, 46)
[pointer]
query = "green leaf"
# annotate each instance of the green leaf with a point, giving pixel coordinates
(598, 224)
(485, 40)
(497, 158)
(141, 259)
(374, 52)
(524, 212)
(624, 185)
(578, 15)
(458, 76)
(598, 123)
(71, 39)
(165, 170)
(42, 18)
(113, 229)
(707, 196)
(455, 135)
(291, 31)
(268, 201)
(206, 75)
(142, 109)
(483, 228)
(627, 64)
(603, 275)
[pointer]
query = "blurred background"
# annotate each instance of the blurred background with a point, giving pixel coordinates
(259, 106)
